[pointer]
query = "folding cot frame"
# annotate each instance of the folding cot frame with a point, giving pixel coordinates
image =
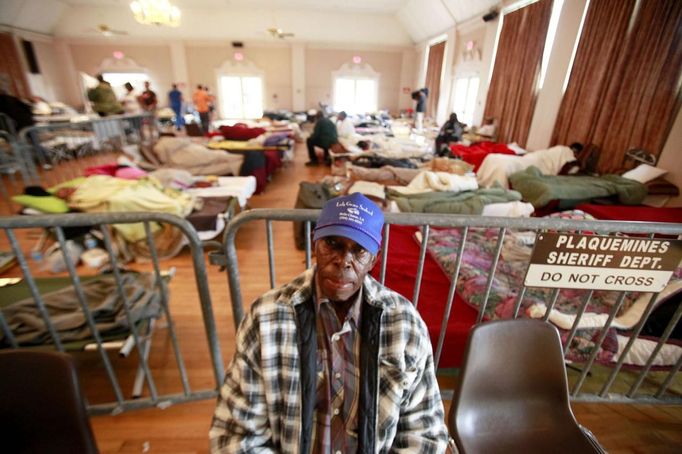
(227, 258)
(103, 221)
(29, 148)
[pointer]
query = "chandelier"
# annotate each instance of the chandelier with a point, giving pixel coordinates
(156, 12)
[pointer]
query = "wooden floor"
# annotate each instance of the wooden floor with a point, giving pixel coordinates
(183, 428)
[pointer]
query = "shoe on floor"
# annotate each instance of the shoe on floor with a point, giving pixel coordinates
(311, 164)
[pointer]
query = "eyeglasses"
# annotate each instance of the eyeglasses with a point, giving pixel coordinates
(333, 245)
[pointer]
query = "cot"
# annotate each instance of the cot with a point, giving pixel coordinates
(78, 313)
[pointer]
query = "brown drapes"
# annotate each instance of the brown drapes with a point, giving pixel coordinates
(603, 33)
(433, 73)
(624, 90)
(513, 87)
(11, 69)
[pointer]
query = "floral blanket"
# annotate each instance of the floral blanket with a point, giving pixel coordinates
(478, 255)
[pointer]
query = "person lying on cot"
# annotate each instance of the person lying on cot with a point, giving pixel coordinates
(333, 361)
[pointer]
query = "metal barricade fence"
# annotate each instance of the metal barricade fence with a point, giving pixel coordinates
(12, 163)
(138, 321)
(588, 379)
(56, 143)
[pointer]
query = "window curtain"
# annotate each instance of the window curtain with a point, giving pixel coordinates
(624, 90)
(513, 88)
(11, 73)
(433, 72)
(604, 31)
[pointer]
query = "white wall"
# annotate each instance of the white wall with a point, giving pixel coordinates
(155, 58)
(275, 63)
(321, 61)
(670, 158)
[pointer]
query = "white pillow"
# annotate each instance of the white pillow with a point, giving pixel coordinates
(516, 148)
(644, 173)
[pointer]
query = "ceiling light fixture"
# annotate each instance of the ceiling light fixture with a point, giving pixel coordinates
(155, 12)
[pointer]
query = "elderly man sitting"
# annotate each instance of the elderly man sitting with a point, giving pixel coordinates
(332, 361)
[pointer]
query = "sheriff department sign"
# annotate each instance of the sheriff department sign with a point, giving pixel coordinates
(564, 260)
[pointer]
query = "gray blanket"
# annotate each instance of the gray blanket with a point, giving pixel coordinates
(66, 314)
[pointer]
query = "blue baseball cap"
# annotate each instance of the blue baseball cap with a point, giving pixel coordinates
(354, 217)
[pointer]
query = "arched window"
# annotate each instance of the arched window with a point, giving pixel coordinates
(240, 90)
(464, 93)
(356, 88)
(118, 71)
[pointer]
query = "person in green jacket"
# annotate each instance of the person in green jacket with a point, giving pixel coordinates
(323, 136)
(103, 99)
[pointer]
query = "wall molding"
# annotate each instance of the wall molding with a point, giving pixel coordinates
(122, 65)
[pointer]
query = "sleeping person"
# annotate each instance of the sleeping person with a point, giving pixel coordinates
(496, 168)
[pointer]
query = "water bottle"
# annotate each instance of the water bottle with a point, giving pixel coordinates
(90, 242)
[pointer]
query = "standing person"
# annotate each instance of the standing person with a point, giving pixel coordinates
(130, 102)
(175, 103)
(344, 125)
(333, 361)
(148, 99)
(211, 104)
(201, 102)
(103, 98)
(323, 136)
(420, 97)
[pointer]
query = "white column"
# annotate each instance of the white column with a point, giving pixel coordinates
(486, 68)
(669, 158)
(407, 79)
(442, 111)
(298, 77)
(551, 93)
(70, 78)
(179, 66)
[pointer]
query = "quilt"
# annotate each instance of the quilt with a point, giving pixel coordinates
(477, 259)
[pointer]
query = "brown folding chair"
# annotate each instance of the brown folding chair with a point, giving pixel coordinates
(41, 405)
(513, 393)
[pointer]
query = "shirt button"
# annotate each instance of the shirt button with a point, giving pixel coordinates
(337, 375)
(336, 411)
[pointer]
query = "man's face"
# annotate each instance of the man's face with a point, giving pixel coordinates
(342, 265)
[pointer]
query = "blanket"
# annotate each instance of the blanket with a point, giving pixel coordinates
(100, 193)
(469, 202)
(476, 153)
(182, 153)
(540, 189)
(477, 259)
(427, 181)
(66, 314)
(496, 168)
(633, 213)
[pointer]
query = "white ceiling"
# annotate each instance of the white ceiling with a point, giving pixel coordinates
(373, 6)
(378, 22)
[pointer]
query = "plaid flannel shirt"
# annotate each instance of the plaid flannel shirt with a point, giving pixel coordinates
(259, 406)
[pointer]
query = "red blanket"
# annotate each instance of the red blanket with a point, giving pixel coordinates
(475, 154)
(401, 270)
(632, 213)
(240, 131)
